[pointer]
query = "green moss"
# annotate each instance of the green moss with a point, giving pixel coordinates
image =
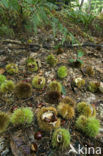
(62, 72)
(86, 109)
(90, 126)
(55, 86)
(61, 138)
(23, 90)
(23, 115)
(93, 86)
(51, 60)
(7, 86)
(2, 78)
(11, 68)
(4, 121)
(38, 82)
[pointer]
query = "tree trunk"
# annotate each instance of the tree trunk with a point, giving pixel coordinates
(81, 4)
(89, 9)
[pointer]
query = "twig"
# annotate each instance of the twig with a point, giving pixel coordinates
(67, 45)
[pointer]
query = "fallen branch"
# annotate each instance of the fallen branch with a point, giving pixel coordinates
(67, 45)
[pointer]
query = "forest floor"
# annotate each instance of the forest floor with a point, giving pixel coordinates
(14, 51)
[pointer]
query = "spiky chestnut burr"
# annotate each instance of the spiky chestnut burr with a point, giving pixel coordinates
(62, 72)
(7, 86)
(23, 90)
(23, 115)
(47, 118)
(66, 111)
(12, 68)
(68, 100)
(86, 109)
(4, 121)
(55, 86)
(53, 97)
(61, 138)
(2, 78)
(51, 60)
(38, 82)
(90, 126)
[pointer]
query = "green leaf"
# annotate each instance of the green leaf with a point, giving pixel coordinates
(57, 46)
(64, 32)
(80, 53)
(14, 5)
(72, 38)
(63, 90)
(80, 61)
(71, 60)
(4, 3)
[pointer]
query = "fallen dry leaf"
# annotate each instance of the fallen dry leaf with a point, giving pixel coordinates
(2, 70)
(18, 145)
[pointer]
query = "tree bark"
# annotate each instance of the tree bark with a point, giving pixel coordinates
(89, 9)
(81, 4)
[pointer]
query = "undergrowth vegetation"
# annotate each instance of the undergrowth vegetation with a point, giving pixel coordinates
(18, 16)
(27, 16)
